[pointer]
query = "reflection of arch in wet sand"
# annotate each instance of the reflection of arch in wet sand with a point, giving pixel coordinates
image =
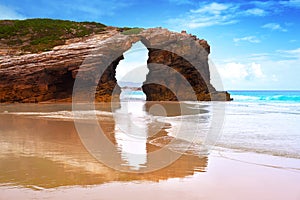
(48, 153)
(142, 137)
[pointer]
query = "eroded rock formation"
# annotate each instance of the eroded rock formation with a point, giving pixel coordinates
(178, 69)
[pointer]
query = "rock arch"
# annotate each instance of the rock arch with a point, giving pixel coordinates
(48, 76)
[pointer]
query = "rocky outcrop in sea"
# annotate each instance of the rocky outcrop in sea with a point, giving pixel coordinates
(85, 68)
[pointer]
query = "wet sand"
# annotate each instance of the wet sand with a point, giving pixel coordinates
(44, 158)
(224, 179)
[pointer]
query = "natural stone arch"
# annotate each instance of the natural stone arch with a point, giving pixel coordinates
(48, 76)
(183, 53)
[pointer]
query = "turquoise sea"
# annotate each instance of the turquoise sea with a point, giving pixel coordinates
(265, 122)
(249, 145)
(283, 96)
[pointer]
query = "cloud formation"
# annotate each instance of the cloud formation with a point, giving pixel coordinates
(237, 72)
(256, 12)
(277, 70)
(274, 26)
(251, 39)
(291, 3)
(215, 13)
(294, 53)
(207, 14)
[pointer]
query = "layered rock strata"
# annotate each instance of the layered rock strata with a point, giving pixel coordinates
(177, 62)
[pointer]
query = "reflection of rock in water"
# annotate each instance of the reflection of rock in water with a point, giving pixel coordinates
(174, 108)
(49, 153)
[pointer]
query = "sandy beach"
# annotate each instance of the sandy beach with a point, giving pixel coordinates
(43, 157)
(150, 100)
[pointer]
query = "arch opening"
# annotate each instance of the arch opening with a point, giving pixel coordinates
(131, 72)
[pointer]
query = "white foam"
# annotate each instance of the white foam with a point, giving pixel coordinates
(86, 114)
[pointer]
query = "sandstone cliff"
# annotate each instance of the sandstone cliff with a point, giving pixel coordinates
(178, 69)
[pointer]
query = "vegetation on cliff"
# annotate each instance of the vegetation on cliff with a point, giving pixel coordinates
(37, 35)
(132, 31)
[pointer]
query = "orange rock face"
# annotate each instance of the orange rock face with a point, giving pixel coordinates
(178, 69)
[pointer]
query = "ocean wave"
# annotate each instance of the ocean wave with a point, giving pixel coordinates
(280, 98)
(66, 115)
(260, 150)
(132, 95)
(180, 145)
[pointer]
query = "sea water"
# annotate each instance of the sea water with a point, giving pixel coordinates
(281, 96)
(265, 122)
(40, 148)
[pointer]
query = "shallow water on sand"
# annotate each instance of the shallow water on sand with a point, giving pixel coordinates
(44, 153)
(41, 148)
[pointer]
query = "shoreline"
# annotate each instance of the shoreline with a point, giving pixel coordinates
(45, 158)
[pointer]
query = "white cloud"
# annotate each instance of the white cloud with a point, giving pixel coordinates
(291, 3)
(256, 12)
(214, 13)
(273, 6)
(274, 78)
(263, 4)
(9, 13)
(208, 14)
(239, 72)
(251, 39)
(278, 55)
(294, 53)
(274, 26)
(213, 8)
(236, 75)
(233, 71)
(256, 57)
(277, 70)
(256, 70)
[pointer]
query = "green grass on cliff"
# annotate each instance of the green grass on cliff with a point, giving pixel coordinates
(37, 35)
(132, 31)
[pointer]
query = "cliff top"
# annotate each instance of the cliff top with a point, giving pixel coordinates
(19, 37)
(76, 50)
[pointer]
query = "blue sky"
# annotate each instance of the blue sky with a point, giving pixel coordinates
(254, 44)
